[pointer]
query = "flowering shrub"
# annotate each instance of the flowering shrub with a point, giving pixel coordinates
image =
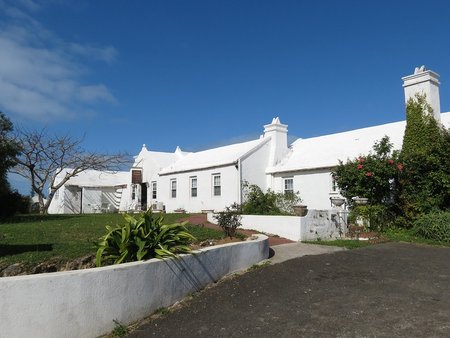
(374, 176)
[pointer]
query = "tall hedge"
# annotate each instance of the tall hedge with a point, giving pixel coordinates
(425, 184)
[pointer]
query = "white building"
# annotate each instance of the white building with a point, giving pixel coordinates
(90, 191)
(212, 179)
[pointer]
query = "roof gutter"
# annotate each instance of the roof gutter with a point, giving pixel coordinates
(197, 169)
(271, 171)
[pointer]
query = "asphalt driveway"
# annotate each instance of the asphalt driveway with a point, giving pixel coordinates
(387, 290)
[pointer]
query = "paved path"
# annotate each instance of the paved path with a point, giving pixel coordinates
(386, 290)
(284, 252)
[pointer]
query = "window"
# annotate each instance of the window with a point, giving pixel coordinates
(216, 185)
(154, 190)
(194, 186)
(288, 185)
(133, 191)
(173, 188)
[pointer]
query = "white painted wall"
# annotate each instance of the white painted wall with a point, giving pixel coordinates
(72, 200)
(284, 226)
(317, 224)
(92, 200)
(57, 204)
(84, 303)
(253, 167)
(315, 186)
(205, 199)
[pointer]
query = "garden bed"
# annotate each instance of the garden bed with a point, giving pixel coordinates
(37, 244)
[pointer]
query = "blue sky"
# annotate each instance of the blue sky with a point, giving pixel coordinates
(203, 73)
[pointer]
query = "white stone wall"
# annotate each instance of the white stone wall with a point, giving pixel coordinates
(84, 303)
(205, 199)
(323, 225)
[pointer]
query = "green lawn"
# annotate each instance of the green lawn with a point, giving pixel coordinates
(32, 239)
(390, 234)
(343, 243)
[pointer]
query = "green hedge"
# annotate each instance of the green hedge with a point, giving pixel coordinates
(435, 226)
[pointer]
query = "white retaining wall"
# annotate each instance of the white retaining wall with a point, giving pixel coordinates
(84, 303)
(317, 224)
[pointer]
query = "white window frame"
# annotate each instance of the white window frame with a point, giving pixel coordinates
(216, 188)
(154, 190)
(286, 181)
(133, 192)
(193, 186)
(173, 188)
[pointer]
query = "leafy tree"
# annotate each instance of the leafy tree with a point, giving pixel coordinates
(43, 157)
(374, 176)
(425, 153)
(10, 201)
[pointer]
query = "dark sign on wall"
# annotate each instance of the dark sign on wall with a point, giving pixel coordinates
(136, 176)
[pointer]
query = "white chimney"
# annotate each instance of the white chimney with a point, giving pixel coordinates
(424, 82)
(278, 143)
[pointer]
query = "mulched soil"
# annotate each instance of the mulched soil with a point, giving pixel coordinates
(201, 220)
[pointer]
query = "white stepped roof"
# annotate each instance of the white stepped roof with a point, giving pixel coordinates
(162, 159)
(326, 151)
(214, 157)
(95, 178)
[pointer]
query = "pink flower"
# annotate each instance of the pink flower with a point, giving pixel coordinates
(368, 174)
(391, 161)
(361, 160)
(359, 166)
(400, 166)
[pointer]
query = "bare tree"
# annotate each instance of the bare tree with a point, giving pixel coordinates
(43, 157)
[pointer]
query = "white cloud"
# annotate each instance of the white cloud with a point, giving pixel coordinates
(95, 93)
(41, 74)
(107, 54)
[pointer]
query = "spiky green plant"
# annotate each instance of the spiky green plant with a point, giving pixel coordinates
(142, 237)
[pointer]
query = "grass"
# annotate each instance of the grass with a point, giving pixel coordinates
(204, 233)
(390, 234)
(343, 243)
(406, 235)
(32, 239)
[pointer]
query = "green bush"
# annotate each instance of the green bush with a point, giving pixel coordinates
(434, 226)
(374, 217)
(229, 220)
(425, 153)
(143, 237)
(374, 176)
(270, 203)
